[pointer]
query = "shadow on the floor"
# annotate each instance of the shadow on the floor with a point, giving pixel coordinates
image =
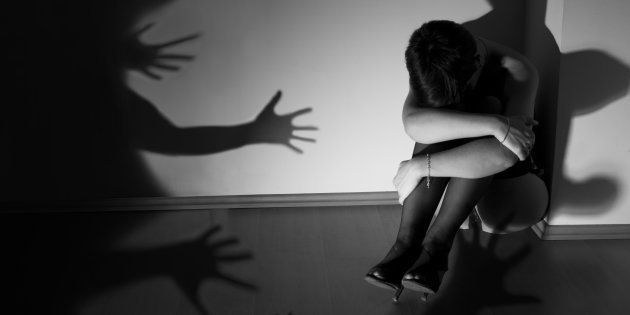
(476, 279)
(61, 262)
(188, 264)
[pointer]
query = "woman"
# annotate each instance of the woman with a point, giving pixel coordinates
(469, 111)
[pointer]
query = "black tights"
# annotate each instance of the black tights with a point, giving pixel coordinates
(460, 198)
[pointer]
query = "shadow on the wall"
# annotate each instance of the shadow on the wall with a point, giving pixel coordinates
(64, 264)
(507, 23)
(591, 79)
(504, 23)
(72, 128)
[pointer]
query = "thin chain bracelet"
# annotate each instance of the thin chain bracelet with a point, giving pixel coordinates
(428, 170)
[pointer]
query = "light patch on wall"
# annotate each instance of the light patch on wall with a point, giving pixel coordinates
(342, 58)
(594, 99)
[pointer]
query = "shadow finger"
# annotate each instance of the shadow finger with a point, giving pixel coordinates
(223, 243)
(294, 148)
(305, 128)
(176, 57)
(166, 67)
(235, 257)
(303, 138)
(300, 112)
(178, 41)
(150, 74)
(237, 282)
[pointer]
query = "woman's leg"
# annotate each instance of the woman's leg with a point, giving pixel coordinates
(421, 204)
(418, 210)
(460, 198)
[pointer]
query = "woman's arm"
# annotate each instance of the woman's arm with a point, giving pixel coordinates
(475, 159)
(480, 157)
(431, 125)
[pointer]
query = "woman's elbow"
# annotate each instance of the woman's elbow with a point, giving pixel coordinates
(418, 134)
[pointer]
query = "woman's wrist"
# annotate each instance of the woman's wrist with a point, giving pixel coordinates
(498, 126)
(420, 165)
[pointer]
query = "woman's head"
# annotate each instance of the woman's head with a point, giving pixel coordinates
(441, 59)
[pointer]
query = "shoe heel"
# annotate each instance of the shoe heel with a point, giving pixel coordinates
(389, 272)
(381, 284)
(424, 297)
(397, 294)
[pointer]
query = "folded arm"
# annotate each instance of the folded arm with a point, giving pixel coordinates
(475, 159)
(504, 140)
(431, 125)
(428, 125)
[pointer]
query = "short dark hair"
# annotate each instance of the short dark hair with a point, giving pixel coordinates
(440, 59)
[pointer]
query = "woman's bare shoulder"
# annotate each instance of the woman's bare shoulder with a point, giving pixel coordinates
(519, 66)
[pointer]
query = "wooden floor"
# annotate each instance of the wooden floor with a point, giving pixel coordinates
(288, 261)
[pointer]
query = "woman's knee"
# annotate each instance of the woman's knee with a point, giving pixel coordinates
(465, 192)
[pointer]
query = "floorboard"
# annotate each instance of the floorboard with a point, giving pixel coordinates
(284, 261)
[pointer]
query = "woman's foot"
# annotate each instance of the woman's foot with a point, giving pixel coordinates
(389, 272)
(426, 274)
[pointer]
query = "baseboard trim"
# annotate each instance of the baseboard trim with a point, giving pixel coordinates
(542, 229)
(586, 232)
(205, 202)
(548, 232)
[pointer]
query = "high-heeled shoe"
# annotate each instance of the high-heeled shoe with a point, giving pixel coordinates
(389, 272)
(426, 274)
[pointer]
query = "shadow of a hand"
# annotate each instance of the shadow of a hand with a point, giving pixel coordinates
(199, 260)
(142, 57)
(269, 127)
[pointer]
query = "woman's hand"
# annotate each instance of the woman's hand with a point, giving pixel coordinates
(518, 135)
(409, 174)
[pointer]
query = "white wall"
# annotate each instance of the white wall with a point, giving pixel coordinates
(343, 58)
(592, 169)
